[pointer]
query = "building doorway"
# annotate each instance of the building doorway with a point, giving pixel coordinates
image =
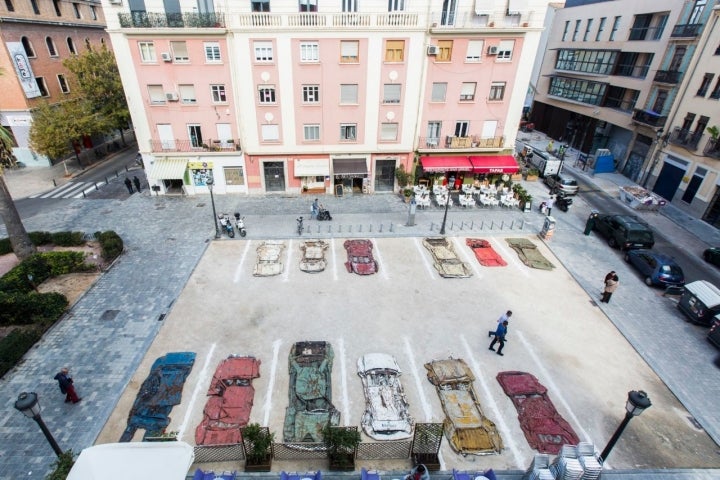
(274, 173)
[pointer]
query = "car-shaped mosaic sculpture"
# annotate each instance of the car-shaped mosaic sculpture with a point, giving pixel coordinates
(268, 259)
(386, 414)
(231, 394)
(529, 254)
(360, 258)
(465, 426)
(445, 260)
(310, 406)
(484, 252)
(313, 259)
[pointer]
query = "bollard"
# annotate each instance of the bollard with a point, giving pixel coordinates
(107, 182)
(482, 224)
(329, 229)
(512, 224)
(432, 226)
(391, 227)
(84, 196)
(472, 224)
(502, 224)
(381, 225)
(371, 228)
(96, 187)
(492, 224)
(126, 168)
(339, 228)
(452, 224)
(318, 228)
(54, 183)
(117, 174)
(522, 224)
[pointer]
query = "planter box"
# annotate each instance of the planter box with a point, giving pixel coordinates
(342, 463)
(259, 467)
(430, 460)
(531, 178)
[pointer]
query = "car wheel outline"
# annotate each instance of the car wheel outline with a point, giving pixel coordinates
(627, 258)
(648, 281)
(611, 241)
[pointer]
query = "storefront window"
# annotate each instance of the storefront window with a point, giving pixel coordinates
(234, 176)
(200, 176)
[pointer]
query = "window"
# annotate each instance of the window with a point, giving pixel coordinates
(311, 133)
(474, 51)
(147, 52)
(35, 7)
(601, 27)
(51, 47)
(716, 91)
(260, 5)
(577, 29)
(76, 9)
(616, 25)
(389, 132)
(467, 93)
(587, 29)
(28, 47)
(187, 93)
(695, 16)
(391, 93)
(266, 93)
(270, 133)
(349, 94)
(445, 51)
(311, 94)
(234, 176)
(588, 61)
(218, 93)
(349, 51)
(433, 133)
(195, 134)
(348, 131)
(705, 85)
(71, 46)
(396, 5)
(505, 49)
(462, 128)
(660, 99)
(9, 5)
(395, 50)
(349, 6)
(63, 84)
(565, 31)
(212, 52)
(497, 91)
(42, 86)
(660, 28)
(179, 52)
(307, 5)
(584, 91)
(56, 5)
(309, 52)
(439, 90)
(93, 12)
(263, 51)
(157, 94)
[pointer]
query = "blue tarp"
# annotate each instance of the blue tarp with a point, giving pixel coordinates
(605, 164)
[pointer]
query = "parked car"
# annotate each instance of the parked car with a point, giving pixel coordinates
(712, 255)
(561, 183)
(714, 333)
(360, 258)
(656, 268)
(700, 302)
(625, 231)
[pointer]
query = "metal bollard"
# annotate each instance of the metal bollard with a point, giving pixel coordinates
(84, 196)
(512, 224)
(107, 182)
(318, 228)
(117, 174)
(502, 224)
(339, 228)
(360, 228)
(371, 228)
(492, 224)
(126, 168)
(391, 227)
(522, 224)
(381, 225)
(472, 224)
(432, 226)
(482, 224)
(96, 187)
(54, 183)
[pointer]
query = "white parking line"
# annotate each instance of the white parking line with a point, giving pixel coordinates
(343, 382)
(383, 266)
(334, 260)
(462, 250)
(196, 390)
(238, 270)
(488, 400)
(423, 254)
(510, 256)
(286, 270)
(267, 408)
(418, 383)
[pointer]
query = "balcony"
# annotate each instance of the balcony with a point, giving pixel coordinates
(171, 20)
(690, 30)
(712, 149)
(685, 138)
(461, 143)
(645, 33)
(650, 118)
(191, 146)
(668, 76)
(339, 21)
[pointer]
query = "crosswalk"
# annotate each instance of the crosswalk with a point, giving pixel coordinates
(69, 190)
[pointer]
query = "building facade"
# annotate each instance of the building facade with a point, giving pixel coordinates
(37, 35)
(284, 96)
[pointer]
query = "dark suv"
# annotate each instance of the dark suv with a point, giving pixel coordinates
(625, 231)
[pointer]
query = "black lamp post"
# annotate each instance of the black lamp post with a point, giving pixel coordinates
(27, 403)
(637, 402)
(447, 204)
(209, 183)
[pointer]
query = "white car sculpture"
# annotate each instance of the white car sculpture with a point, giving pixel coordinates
(268, 260)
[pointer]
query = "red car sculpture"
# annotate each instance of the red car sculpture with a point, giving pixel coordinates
(360, 257)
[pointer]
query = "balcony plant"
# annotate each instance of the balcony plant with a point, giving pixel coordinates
(257, 442)
(341, 444)
(714, 132)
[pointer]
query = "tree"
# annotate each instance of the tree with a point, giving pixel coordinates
(99, 81)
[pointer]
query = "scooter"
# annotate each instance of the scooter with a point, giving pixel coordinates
(563, 202)
(226, 225)
(240, 224)
(324, 214)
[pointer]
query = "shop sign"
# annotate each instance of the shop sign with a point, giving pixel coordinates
(199, 165)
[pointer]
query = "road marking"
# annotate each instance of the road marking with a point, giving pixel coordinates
(463, 250)
(67, 189)
(511, 256)
(196, 390)
(423, 251)
(267, 408)
(238, 270)
(286, 272)
(88, 190)
(334, 260)
(427, 410)
(480, 378)
(383, 270)
(343, 382)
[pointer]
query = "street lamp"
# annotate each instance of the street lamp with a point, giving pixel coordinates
(209, 183)
(447, 204)
(27, 403)
(637, 402)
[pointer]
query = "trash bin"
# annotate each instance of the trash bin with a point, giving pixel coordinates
(548, 228)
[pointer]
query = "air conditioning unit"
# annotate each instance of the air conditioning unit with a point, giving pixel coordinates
(492, 50)
(172, 97)
(166, 57)
(433, 50)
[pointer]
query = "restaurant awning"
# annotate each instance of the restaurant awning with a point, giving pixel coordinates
(445, 164)
(312, 167)
(349, 166)
(168, 169)
(494, 164)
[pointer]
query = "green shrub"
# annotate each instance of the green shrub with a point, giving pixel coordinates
(23, 308)
(14, 346)
(111, 244)
(40, 238)
(5, 246)
(17, 278)
(62, 466)
(62, 263)
(68, 239)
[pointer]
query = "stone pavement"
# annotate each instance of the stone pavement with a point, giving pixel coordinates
(106, 334)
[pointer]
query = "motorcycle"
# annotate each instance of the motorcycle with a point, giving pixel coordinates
(324, 214)
(240, 224)
(226, 225)
(563, 202)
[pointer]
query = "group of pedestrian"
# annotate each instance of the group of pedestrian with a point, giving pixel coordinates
(129, 184)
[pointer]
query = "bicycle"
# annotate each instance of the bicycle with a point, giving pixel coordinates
(300, 226)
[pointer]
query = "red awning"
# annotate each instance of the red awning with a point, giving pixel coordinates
(494, 164)
(446, 164)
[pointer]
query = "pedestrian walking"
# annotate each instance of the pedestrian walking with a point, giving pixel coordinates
(136, 181)
(418, 473)
(549, 204)
(67, 386)
(503, 318)
(314, 209)
(128, 184)
(590, 223)
(611, 283)
(499, 338)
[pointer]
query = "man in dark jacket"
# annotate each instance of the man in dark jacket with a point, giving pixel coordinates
(499, 337)
(66, 386)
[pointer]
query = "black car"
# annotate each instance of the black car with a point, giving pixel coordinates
(625, 232)
(561, 183)
(712, 255)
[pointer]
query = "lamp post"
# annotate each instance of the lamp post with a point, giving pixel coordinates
(637, 402)
(209, 183)
(27, 403)
(447, 204)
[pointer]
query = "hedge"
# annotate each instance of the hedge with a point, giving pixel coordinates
(23, 308)
(42, 266)
(61, 239)
(111, 244)
(14, 346)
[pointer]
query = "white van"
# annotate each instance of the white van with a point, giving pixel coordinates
(700, 302)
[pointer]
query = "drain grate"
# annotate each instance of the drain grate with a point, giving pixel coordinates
(109, 315)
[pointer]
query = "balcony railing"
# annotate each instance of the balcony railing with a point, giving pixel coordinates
(712, 149)
(171, 20)
(685, 138)
(634, 71)
(337, 20)
(645, 33)
(690, 30)
(648, 117)
(668, 76)
(453, 143)
(191, 146)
